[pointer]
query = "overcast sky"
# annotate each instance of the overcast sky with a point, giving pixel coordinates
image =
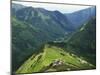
(52, 7)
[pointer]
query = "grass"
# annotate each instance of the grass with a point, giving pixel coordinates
(41, 61)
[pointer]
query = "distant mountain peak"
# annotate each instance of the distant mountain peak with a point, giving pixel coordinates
(17, 6)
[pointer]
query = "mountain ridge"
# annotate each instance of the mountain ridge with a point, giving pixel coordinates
(32, 28)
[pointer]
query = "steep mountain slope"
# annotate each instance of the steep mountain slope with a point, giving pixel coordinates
(32, 28)
(80, 17)
(53, 59)
(15, 7)
(83, 42)
(27, 37)
(22, 41)
(76, 53)
(45, 17)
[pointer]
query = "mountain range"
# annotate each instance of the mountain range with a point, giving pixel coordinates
(78, 53)
(79, 17)
(34, 29)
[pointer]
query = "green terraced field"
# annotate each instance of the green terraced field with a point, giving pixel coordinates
(41, 62)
